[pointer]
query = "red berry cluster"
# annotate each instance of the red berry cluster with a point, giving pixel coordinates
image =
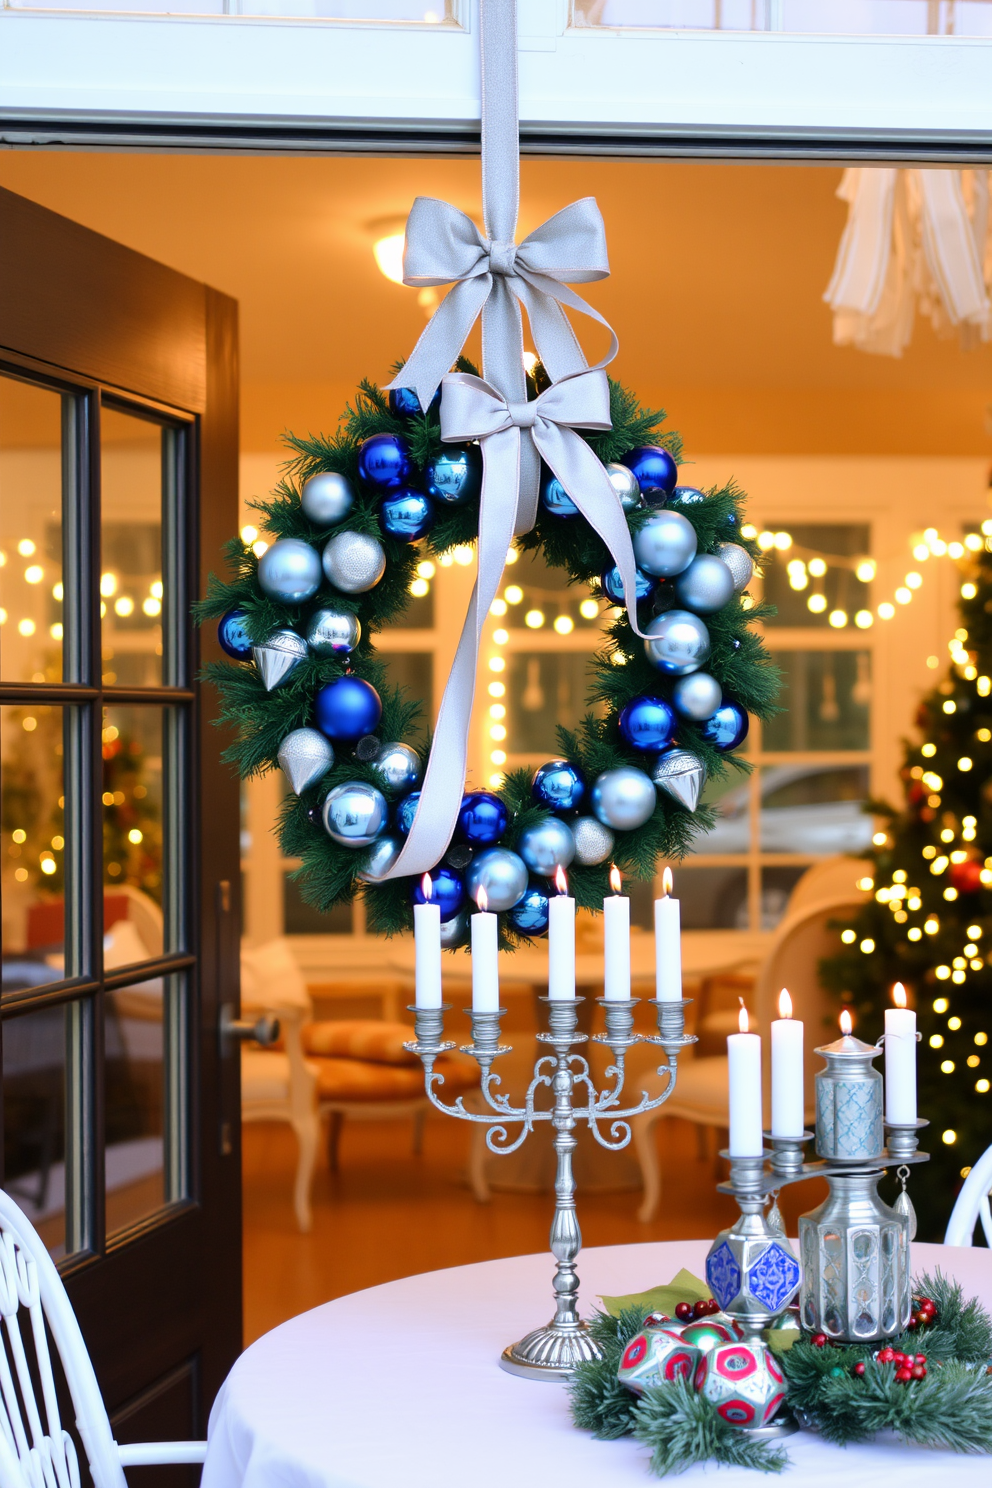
(924, 1313)
(908, 1366)
(688, 1312)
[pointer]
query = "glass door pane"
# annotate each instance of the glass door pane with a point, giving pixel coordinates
(34, 1119)
(33, 845)
(131, 586)
(30, 532)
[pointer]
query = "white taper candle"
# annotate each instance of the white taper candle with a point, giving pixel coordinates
(667, 944)
(744, 1056)
(900, 1060)
(485, 959)
(561, 942)
(427, 938)
(616, 943)
(788, 1096)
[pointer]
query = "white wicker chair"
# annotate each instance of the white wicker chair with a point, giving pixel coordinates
(972, 1205)
(35, 1449)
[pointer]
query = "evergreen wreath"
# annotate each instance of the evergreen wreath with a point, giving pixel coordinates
(621, 672)
(841, 1390)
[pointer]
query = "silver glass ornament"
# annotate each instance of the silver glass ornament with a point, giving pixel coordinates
(289, 571)
(705, 586)
(679, 643)
(503, 875)
(454, 932)
(333, 632)
(624, 482)
(696, 696)
(682, 774)
(279, 656)
(385, 851)
(739, 561)
(305, 755)
(665, 545)
(355, 813)
(354, 561)
(400, 766)
(593, 841)
(546, 846)
(623, 798)
(327, 498)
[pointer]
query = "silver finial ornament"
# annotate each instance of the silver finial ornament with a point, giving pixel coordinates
(278, 657)
(682, 774)
(305, 756)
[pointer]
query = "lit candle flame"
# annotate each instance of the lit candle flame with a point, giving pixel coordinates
(742, 1022)
(427, 888)
(846, 1022)
(784, 1004)
(616, 883)
(561, 882)
(899, 995)
(482, 898)
(666, 882)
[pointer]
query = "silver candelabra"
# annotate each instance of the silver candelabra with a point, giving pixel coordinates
(554, 1351)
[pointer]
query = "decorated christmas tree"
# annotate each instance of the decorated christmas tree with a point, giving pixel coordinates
(928, 922)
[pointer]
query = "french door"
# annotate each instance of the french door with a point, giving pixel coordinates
(118, 828)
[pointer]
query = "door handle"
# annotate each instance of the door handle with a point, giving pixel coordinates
(265, 1030)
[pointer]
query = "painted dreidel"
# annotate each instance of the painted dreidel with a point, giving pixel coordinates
(743, 1383)
(655, 1357)
(711, 1332)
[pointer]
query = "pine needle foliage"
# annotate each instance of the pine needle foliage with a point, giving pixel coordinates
(258, 721)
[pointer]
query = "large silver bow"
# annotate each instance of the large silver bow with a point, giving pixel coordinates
(514, 438)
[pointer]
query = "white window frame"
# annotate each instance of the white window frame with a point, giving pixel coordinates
(272, 83)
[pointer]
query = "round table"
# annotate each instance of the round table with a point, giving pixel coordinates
(400, 1387)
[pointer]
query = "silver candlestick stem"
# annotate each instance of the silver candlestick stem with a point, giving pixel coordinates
(554, 1351)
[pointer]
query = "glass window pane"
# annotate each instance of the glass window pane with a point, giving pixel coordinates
(33, 846)
(803, 17)
(815, 809)
(826, 701)
(131, 549)
(133, 850)
(545, 689)
(777, 885)
(731, 796)
(134, 1055)
(712, 898)
(34, 1106)
(815, 581)
(414, 672)
(30, 532)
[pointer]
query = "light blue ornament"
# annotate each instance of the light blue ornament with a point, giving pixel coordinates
(665, 544)
(355, 813)
(327, 498)
(503, 875)
(678, 643)
(333, 632)
(554, 498)
(354, 561)
(385, 850)
(289, 571)
(687, 496)
(624, 798)
(546, 846)
(305, 756)
(697, 696)
(705, 586)
(727, 727)
(612, 585)
(399, 767)
(531, 915)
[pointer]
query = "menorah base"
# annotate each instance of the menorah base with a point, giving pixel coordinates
(551, 1353)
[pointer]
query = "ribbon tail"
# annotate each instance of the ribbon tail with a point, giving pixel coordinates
(444, 780)
(503, 342)
(443, 337)
(555, 340)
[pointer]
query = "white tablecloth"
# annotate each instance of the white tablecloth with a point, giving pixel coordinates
(400, 1387)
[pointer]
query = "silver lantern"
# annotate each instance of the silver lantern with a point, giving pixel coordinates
(856, 1267)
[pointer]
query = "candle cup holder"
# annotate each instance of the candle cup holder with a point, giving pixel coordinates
(554, 1351)
(902, 1140)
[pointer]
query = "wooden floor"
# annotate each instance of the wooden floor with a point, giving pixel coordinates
(387, 1213)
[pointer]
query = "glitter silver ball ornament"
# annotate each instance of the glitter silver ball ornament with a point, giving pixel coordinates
(355, 813)
(697, 696)
(678, 643)
(289, 571)
(705, 586)
(665, 545)
(333, 632)
(546, 846)
(454, 932)
(624, 482)
(278, 657)
(327, 498)
(623, 798)
(593, 841)
(354, 561)
(385, 851)
(739, 561)
(682, 774)
(503, 875)
(399, 766)
(305, 755)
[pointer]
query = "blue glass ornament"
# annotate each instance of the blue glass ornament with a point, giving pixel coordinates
(530, 916)
(613, 588)
(727, 727)
(404, 403)
(554, 498)
(347, 708)
(405, 812)
(559, 786)
(655, 470)
(447, 891)
(648, 723)
(407, 515)
(482, 819)
(384, 462)
(687, 496)
(232, 632)
(455, 475)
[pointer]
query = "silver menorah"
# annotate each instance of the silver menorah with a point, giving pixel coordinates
(554, 1351)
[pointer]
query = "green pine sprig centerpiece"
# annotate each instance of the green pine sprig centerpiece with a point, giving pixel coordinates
(304, 687)
(846, 1392)
(928, 919)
